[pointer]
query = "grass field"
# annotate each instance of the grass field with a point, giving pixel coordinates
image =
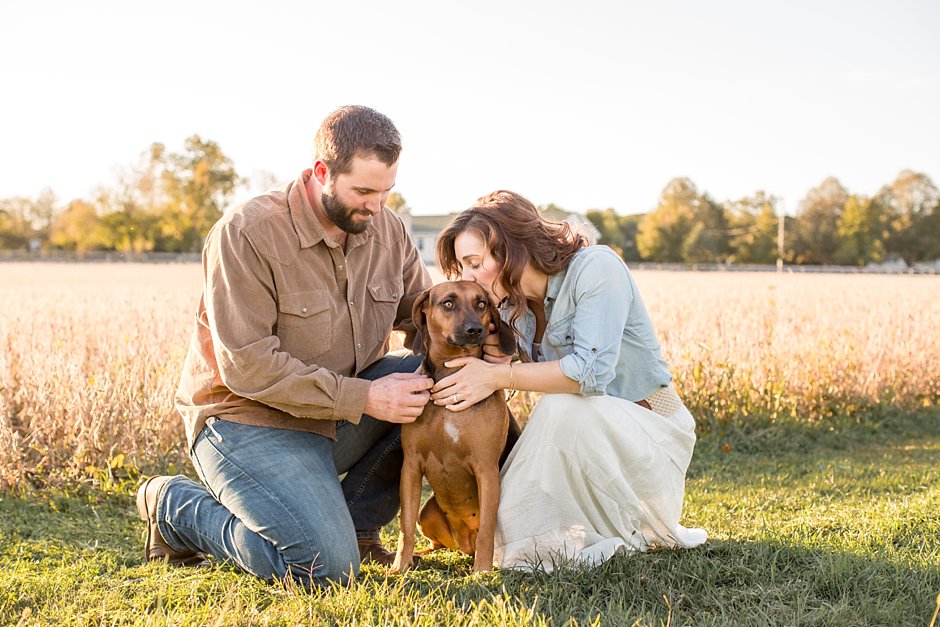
(816, 472)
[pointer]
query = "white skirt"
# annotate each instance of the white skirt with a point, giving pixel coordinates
(592, 476)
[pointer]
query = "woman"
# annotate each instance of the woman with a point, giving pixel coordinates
(600, 466)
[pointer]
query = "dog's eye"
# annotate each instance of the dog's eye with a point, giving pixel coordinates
(481, 305)
(448, 304)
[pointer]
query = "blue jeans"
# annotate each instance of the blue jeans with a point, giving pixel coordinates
(272, 501)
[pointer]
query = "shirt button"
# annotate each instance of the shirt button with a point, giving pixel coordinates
(339, 267)
(352, 304)
(304, 310)
(358, 345)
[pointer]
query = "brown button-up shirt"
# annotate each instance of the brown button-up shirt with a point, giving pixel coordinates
(287, 319)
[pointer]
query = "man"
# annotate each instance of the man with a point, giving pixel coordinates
(287, 383)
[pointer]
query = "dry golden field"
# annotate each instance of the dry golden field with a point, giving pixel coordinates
(91, 354)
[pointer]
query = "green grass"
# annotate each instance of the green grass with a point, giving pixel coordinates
(808, 527)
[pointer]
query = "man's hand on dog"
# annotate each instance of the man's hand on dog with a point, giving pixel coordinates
(399, 397)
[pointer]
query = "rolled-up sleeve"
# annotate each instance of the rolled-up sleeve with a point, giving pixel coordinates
(603, 293)
(241, 307)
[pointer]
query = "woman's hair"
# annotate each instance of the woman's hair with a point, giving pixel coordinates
(514, 233)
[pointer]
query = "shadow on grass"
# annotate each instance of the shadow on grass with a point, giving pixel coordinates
(722, 582)
(884, 422)
(905, 441)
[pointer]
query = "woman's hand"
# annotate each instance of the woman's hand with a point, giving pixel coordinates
(475, 381)
(491, 351)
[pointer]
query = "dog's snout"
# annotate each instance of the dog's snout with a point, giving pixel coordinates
(469, 334)
(473, 329)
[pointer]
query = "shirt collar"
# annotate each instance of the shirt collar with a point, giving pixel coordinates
(308, 227)
(554, 285)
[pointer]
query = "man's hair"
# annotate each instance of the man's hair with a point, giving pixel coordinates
(515, 233)
(355, 131)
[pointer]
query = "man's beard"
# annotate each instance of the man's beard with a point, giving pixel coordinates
(341, 215)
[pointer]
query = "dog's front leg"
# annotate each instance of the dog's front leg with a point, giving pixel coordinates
(410, 500)
(488, 489)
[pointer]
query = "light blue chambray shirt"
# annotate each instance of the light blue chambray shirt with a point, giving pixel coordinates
(598, 328)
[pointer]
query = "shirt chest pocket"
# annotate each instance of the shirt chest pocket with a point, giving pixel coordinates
(385, 297)
(559, 339)
(304, 323)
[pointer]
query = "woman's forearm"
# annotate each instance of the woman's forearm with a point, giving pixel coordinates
(545, 377)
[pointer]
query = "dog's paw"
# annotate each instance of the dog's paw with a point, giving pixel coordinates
(400, 565)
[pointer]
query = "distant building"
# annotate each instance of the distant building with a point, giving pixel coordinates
(424, 232)
(425, 229)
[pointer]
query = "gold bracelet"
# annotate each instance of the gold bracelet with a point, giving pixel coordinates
(511, 388)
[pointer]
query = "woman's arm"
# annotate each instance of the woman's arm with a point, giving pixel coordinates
(477, 379)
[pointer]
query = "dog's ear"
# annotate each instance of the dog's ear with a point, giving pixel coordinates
(507, 339)
(419, 338)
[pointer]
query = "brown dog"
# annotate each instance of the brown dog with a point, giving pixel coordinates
(459, 452)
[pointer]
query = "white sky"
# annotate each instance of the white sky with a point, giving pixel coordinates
(587, 103)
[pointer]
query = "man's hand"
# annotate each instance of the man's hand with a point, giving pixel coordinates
(491, 352)
(399, 397)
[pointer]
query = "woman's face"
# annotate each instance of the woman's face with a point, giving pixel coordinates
(476, 264)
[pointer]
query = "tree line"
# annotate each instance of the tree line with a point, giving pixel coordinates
(831, 226)
(167, 201)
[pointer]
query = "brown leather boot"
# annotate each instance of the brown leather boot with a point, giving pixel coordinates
(155, 547)
(371, 551)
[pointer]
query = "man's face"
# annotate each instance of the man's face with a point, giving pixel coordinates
(350, 200)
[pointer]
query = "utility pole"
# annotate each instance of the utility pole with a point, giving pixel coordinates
(781, 220)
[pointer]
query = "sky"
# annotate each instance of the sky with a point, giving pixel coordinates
(588, 105)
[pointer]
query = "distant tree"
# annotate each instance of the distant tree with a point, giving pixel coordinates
(553, 212)
(861, 229)
(261, 181)
(912, 207)
(396, 202)
(753, 228)
(684, 227)
(14, 226)
(131, 209)
(23, 220)
(11, 235)
(629, 229)
(817, 223)
(42, 213)
(663, 230)
(196, 184)
(608, 225)
(79, 228)
(618, 232)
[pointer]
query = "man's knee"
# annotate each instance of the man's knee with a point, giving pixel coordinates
(338, 563)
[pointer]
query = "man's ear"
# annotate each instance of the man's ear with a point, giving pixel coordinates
(419, 343)
(320, 172)
(507, 339)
